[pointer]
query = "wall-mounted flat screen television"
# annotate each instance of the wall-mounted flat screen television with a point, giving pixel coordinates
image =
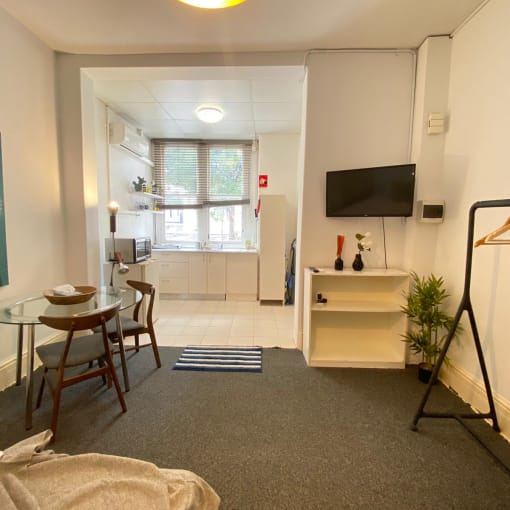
(377, 191)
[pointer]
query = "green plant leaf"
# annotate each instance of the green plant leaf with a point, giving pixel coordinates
(429, 324)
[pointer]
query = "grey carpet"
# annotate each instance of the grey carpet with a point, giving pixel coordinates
(291, 437)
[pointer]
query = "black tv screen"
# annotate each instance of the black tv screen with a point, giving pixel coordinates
(378, 191)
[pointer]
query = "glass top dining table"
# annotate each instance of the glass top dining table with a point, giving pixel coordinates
(25, 311)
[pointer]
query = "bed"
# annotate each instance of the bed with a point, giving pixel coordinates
(33, 478)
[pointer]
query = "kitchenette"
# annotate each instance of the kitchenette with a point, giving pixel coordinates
(207, 273)
(183, 263)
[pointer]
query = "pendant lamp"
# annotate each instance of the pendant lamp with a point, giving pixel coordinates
(212, 4)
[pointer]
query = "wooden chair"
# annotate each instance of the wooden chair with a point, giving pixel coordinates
(133, 326)
(76, 351)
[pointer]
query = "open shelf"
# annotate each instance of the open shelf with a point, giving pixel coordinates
(140, 212)
(148, 195)
(362, 323)
(357, 306)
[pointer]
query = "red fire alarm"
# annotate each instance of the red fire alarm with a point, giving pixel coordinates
(262, 181)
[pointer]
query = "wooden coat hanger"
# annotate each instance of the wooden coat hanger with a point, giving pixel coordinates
(492, 237)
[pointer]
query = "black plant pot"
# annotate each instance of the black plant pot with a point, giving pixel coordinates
(358, 265)
(339, 264)
(425, 372)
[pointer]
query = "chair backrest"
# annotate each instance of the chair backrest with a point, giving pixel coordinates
(147, 289)
(80, 322)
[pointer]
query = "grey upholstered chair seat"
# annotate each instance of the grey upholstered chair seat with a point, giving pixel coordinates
(127, 324)
(81, 351)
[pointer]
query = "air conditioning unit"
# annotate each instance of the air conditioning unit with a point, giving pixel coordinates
(128, 137)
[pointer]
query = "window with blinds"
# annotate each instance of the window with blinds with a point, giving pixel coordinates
(196, 173)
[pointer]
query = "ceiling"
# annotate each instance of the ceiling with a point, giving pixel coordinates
(255, 100)
(161, 26)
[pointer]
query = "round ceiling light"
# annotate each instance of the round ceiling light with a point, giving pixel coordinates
(209, 114)
(212, 4)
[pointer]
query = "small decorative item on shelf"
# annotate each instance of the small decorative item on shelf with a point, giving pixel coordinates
(364, 244)
(140, 184)
(339, 263)
(320, 299)
(155, 188)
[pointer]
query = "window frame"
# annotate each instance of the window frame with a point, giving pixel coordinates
(203, 209)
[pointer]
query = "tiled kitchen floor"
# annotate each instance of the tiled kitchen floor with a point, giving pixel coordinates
(201, 322)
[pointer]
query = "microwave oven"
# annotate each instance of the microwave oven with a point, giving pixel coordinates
(132, 250)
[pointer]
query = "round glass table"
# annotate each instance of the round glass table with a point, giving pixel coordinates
(25, 311)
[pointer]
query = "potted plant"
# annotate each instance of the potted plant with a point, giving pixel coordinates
(429, 323)
(140, 184)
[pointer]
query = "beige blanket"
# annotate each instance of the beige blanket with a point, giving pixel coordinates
(34, 478)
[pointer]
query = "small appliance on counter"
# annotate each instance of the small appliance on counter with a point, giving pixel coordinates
(132, 250)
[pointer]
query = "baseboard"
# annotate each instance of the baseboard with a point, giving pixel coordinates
(472, 391)
(241, 297)
(8, 366)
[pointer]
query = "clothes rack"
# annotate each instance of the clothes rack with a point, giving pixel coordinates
(466, 305)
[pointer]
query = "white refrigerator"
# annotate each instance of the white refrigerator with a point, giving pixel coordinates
(272, 221)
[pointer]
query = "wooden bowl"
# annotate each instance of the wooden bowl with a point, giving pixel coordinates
(86, 292)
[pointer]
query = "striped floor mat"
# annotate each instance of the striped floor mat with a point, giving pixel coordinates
(220, 359)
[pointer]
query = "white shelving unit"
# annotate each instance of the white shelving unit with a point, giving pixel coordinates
(361, 323)
(145, 199)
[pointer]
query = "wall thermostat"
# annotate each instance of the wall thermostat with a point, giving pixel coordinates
(431, 211)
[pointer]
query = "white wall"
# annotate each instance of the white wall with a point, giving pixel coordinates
(278, 159)
(358, 113)
(431, 95)
(116, 169)
(69, 69)
(124, 168)
(32, 188)
(476, 167)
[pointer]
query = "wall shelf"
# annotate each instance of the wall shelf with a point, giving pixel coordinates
(140, 212)
(147, 195)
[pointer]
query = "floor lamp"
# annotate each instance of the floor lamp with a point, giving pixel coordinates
(113, 208)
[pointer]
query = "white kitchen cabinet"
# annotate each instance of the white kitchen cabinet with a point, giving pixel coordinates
(198, 265)
(174, 272)
(216, 266)
(193, 273)
(206, 273)
(272, 247)
(242, 276)
(147, 271)
(362, 322)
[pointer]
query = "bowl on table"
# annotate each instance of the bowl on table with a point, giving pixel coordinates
(83, 294)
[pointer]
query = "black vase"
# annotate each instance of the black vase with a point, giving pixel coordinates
(339, 264)
(358, 265)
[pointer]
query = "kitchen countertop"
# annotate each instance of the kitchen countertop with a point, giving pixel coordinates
(203, 250)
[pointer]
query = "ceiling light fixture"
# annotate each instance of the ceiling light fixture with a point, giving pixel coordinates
(209, 114)
(212, 4)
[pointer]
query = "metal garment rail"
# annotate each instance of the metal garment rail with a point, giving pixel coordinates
(466, 305)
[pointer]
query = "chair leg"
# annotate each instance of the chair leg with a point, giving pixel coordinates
(100, 362)
(56, 409)
(113, 374)
(137, 343)
(122, 352)
(155, 348)
(41, 389)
